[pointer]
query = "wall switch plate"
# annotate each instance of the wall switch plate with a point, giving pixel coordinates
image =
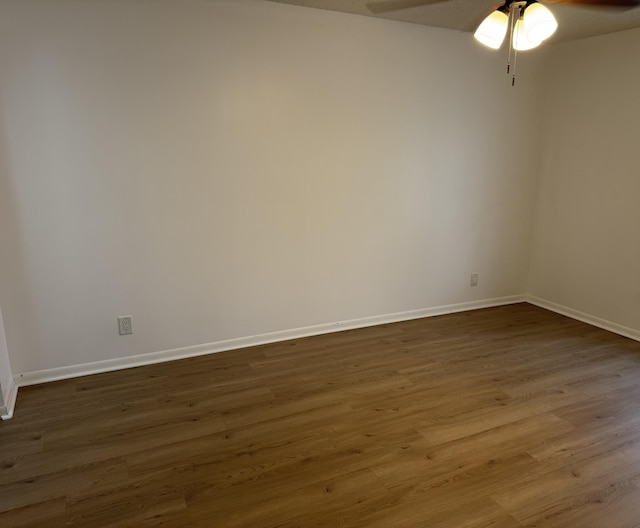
(124, 325)
(474, 279)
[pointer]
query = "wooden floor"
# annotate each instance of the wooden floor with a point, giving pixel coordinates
(502, 418)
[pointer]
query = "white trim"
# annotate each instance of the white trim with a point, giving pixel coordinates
(73, 371)
(585, 317)
(6, 410)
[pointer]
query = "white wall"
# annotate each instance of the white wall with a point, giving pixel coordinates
(7, 395)
(220, 169)
(6, 376)
(10, 270)
(587, 241)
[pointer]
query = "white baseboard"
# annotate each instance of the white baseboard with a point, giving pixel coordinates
(585, 318)
(73, 371)
(6, 411)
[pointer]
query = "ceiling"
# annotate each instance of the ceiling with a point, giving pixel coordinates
(464, 15)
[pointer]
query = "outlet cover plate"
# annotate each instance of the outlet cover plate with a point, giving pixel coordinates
(124, 325)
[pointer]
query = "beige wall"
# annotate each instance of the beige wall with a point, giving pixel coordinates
(222, 169)
(586, 253)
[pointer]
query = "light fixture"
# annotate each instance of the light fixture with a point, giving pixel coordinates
(539, 22)
(522, 40)
(527, 22)
(493, 29)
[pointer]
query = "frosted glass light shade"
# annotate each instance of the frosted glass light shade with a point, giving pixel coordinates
(539, 23)
(521, 40)
(493, 29)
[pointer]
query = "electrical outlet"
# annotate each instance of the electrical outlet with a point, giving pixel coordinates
(474, 279)
(124, 325)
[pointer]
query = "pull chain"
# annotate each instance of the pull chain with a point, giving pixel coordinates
(510, 36)
(515, 14)
(515, 61)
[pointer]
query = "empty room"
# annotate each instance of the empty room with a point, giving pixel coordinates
(319, 263)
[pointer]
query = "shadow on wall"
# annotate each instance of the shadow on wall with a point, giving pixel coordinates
(15, 294)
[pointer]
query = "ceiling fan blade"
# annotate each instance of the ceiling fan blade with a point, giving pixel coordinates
(386, 6)
(597, 3)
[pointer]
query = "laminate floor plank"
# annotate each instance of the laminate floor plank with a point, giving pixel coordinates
(507, 417)
(51, 513)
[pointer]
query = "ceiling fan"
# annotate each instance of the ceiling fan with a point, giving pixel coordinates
(493, 28)
(386, 6)
(528, 22)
